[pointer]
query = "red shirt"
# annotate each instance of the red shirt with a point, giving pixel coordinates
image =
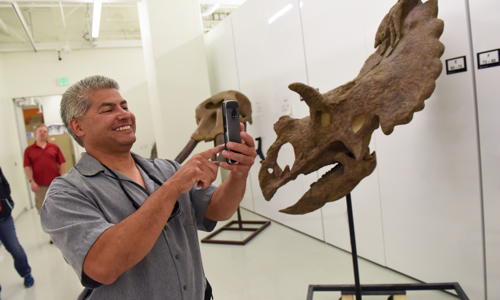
(44, 162)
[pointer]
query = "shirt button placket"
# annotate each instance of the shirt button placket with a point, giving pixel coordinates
(177, 257)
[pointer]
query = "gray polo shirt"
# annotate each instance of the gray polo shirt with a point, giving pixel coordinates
(88, 200)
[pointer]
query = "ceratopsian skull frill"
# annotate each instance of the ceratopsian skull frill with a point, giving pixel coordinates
(209, 119)
(391, 86)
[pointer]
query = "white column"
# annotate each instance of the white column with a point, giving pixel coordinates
(176, 67)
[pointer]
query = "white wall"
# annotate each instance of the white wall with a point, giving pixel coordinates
(176, 67)
(29, 74)
(35, 74)
(429, 174)
(420, 212)
(10, 158)
(330, 65)
(51, 106)
(223, 58)
(485, 27)
(268, 58)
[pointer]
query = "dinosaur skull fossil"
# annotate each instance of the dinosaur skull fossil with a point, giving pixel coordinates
(390, 88)
(209, 115)
(209, 120)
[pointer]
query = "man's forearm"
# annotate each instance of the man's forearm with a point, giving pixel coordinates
(226, 199)
(124, 245)
(62, 169)
(29, 173)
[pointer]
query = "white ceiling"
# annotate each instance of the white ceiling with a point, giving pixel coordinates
(67, 25)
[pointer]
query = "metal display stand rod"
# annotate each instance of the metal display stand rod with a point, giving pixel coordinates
(353, 247)
(240, 223)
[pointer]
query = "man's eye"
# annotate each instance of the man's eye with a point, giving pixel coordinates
(125, 108)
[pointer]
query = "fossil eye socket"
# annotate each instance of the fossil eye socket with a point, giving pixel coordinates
(326, 119)
(358, 122)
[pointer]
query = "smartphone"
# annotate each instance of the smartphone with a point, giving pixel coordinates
(231, 122)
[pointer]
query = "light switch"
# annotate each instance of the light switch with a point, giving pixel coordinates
(488, 59)
(456, 65)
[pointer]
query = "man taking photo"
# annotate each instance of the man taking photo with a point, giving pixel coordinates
(126, 224)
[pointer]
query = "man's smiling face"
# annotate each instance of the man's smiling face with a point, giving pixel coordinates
(108, 124)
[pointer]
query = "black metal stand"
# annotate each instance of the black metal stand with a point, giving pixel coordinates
(256, 230)
(353, 247)
(378, 289)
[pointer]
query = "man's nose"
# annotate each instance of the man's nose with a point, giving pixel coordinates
(123, 113)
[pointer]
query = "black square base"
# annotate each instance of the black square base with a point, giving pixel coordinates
(387, 289)
(256, 230)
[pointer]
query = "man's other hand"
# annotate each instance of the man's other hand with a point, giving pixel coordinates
(34, 187)
(199, 169)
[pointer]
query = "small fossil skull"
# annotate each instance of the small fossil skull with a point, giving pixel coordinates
(209, 119)
(209, 114)
(390, 88)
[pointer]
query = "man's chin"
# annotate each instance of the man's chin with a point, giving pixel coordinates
(120, 145)
(128, 142)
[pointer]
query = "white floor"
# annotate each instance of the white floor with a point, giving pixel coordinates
(278, 264)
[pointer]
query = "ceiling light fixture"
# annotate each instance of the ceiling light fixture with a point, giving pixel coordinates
(96, 18)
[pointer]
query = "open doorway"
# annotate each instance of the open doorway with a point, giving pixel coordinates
(33, 111)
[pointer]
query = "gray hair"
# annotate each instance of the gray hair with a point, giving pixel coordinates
(77, 99)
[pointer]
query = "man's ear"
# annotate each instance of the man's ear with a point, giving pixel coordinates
(77, 127)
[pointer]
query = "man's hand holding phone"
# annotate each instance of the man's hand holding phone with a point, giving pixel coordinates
(242, 153)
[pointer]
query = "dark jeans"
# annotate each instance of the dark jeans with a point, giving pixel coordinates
(9, 239)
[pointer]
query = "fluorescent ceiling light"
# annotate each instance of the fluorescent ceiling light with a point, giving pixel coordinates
(280, 13)
(96, 18)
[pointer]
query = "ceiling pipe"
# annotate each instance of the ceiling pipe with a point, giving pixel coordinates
(23, 22)
(62, 15)
(68, 14)
(18, 36)
(4, 28)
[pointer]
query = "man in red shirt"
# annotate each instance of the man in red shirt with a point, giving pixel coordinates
(43, 161)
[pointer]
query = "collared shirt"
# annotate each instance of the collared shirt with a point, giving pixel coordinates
(88, 200)
(44, 162)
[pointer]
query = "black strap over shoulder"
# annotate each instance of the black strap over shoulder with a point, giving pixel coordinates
(176, 209)
(208, 291)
